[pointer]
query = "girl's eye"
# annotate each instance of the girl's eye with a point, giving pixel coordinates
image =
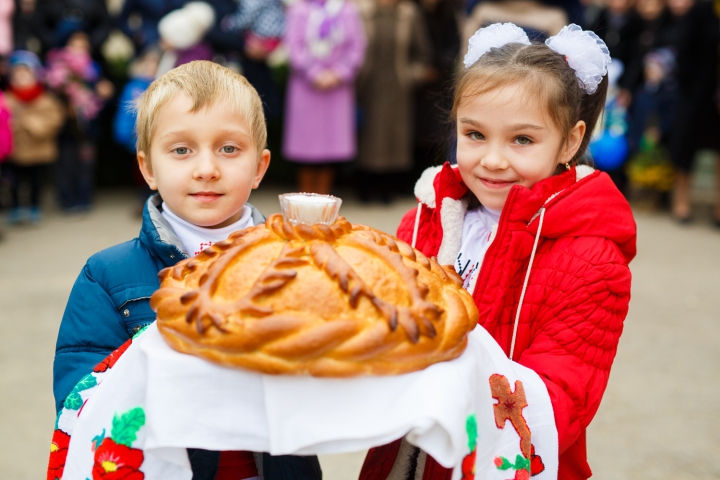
(523, 141)
(477, 136)
(181, 150)
(229, 149)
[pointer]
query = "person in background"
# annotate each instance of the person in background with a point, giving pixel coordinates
(76, 78)
(55, 21)
(326, 47)
(5, 140)
(261, 24)
(617, 24)
(139, 20)
(654, 103)
(693, 33)
(398, 59)
(23, 28)
(646, 36)
(182, 34)
(434, 98)
(7, 7)
(37, 119)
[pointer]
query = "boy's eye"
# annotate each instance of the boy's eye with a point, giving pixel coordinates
(523, 141)
(229, 149)
(477, 136)
(181, 150)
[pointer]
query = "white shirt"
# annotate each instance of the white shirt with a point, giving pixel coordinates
(478, 228)
(196, 239)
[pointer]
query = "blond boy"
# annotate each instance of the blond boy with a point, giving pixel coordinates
(201, 145)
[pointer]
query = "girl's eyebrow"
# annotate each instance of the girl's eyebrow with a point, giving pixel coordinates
(512, 128)
(524, 126)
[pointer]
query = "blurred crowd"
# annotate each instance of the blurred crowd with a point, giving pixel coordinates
(355, 90)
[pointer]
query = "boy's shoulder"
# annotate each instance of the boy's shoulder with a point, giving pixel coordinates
(124, 265)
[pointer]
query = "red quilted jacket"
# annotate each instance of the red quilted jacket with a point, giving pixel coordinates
(576, 297)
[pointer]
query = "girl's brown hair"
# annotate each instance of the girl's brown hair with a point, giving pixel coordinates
(548, 78)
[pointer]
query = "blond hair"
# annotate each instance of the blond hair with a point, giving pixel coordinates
(206, 83)
(547, 76)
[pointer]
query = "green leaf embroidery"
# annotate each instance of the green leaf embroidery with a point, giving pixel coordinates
(73, 401)
(125, 426)
(471, 428)
(521, 463)
(88, 381)
(139, 332)
(506, 465)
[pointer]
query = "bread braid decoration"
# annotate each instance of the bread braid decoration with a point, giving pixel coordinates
(325, 300)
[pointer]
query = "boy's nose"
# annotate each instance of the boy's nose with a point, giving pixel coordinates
(206, 167)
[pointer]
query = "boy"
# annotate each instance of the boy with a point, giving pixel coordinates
(201, 144)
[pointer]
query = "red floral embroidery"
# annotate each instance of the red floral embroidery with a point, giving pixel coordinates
(114, 461)
(468, 466)
(536, 464)
(110, 360)
(58, 454)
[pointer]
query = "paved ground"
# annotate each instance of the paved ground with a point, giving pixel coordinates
(659, 418)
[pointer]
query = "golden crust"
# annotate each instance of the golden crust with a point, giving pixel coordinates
(334, 300)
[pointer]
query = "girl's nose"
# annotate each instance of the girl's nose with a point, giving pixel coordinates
(493, 159)
(206, 167)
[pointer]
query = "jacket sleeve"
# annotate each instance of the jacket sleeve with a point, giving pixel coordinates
(429, 234)
(90, 330)
(573, 347)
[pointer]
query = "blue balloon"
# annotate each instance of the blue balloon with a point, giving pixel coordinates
(609, 152)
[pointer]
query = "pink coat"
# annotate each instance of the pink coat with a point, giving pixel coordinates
(320, 125)
(6, 143)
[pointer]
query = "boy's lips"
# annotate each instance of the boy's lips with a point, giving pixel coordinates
(496, 184)
(206, 197)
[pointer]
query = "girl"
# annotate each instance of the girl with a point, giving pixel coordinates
(326, 45)
(542, 243)
(36, 120)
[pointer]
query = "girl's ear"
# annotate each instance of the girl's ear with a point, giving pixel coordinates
(574, 140)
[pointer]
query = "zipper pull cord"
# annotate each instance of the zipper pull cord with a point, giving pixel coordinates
(525, 283)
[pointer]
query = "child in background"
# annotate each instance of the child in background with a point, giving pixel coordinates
(262, 26)
(37, 118)
(201, 145)
(76, 79)
(542, 243)
(182, 34)
(326, 45)
(5, 141)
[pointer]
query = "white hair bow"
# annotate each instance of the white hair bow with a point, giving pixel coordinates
(493, 36)
(585, 52)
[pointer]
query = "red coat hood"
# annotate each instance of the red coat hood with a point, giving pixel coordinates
(579, 202)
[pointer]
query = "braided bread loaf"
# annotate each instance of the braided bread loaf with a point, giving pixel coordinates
(328, 300)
